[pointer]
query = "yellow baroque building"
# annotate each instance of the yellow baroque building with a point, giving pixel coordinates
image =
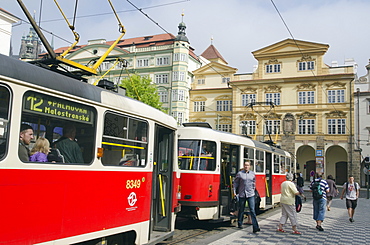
(292, 99)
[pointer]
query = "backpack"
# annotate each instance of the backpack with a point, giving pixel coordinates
(298, 204)
(316, 190)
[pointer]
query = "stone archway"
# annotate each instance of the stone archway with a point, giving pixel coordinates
(336, 163)
(306, 157)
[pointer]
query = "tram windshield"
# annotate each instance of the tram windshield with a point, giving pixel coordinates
(68, 128)
(197, 155)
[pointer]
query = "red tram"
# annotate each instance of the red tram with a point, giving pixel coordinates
(100, 200)
(209, 160)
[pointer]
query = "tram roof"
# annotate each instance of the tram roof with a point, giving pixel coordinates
(23, 71)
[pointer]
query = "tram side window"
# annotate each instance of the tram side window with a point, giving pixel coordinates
(284, 167)
(124, 141)
(288, 166)
(277, 164)
(4, 119)
(260, 161)
(249, 155)
(68, 127)
(197, 155)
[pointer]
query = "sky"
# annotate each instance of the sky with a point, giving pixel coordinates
(235, 27)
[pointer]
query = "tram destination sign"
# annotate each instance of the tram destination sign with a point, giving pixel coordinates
(56, 107)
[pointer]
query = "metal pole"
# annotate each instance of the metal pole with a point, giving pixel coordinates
(368, 180)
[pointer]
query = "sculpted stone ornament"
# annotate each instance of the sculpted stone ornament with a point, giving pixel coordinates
(289, 124)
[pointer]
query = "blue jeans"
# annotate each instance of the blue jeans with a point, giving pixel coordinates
(319, 209)
(251, 205)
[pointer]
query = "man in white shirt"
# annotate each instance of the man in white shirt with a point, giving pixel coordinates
(352, 191)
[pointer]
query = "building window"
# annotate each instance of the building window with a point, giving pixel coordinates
(248, 98)
(199, 106)
(180, 57)
(225, 79)
(272, 126)
(175, 76)
(274, 68)
(368, 106)
(178, 116)
(161, 78)
(224, 127)
(309, 65)
(273, 97)
(201, 81)
(336, 96)
(306, 126)
(250, 127)
(162, 61)
(178, 95)
(142, 62)
(306, 97)
(336, 126)
(163, 96)
(181, 76)
(224, 105)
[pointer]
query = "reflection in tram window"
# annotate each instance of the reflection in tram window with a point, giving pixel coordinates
(260, 161)
(249, 155)
(124, 141)
(48, 116)
(197, 155)
(4, 119)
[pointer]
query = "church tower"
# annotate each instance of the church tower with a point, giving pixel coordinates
(30, 46)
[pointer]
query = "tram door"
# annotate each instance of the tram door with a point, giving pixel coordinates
(229, 168)
(162, 179)
(268, 178)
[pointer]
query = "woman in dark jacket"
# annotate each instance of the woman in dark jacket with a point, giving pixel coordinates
(333, 191)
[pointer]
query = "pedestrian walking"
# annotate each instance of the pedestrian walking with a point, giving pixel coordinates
(352, 191)
(244, 189)
(319, 188)
(287, 201)
(333, 192)
(300, 184)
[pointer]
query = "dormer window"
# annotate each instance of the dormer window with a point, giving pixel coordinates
(306, 65)
(273, 68)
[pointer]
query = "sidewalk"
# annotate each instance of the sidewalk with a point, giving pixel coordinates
(337, 228)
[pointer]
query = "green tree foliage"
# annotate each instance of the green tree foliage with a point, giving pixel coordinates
(142, 89)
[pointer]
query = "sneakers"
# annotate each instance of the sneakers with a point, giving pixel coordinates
(240, 226)
(351, 220)
(319, 228)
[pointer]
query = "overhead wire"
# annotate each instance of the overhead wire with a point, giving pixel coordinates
(314, 75)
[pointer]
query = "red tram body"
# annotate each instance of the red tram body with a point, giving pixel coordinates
(209, 161)
(98, 201)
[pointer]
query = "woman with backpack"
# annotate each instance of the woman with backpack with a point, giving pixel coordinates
(319, 188)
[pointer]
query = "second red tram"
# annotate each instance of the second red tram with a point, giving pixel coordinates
(208, 162)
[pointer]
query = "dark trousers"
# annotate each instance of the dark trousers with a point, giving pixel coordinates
(251, 205)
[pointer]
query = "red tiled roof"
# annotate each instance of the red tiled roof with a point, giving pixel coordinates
(212, 53)
(1, 9)
(140, 42)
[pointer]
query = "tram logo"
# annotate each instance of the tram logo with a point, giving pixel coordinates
(132, 199)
